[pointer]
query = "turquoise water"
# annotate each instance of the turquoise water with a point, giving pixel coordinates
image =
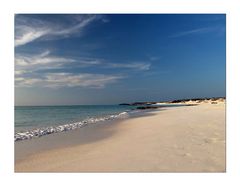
(29, 117)
(37, 121)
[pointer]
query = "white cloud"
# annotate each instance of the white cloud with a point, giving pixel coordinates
(135, 66)
(58, 80)
(45, 60)
(76, 28)
(41, 61)
(27, 67)
(19, 72)
(28, 29)
(44, 69)
(81, 80)
(29, 36)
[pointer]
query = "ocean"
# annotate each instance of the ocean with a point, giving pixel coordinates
(36, 121)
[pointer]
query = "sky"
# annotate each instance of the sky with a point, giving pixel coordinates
(79, 59)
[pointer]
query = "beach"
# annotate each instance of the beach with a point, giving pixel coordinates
(175, 139)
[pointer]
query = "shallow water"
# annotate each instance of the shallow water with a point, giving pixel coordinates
(29, 117)
(37, 121)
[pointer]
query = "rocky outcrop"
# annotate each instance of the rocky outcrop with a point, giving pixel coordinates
(146, 107)
(138, 103)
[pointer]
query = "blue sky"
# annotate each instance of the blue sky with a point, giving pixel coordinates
(109, 59)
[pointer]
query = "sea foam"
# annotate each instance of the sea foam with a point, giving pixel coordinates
(35, 133)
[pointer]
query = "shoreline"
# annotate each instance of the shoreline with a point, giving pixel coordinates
(85, 134)
(26, 148)
(34, 133)
(177, 139)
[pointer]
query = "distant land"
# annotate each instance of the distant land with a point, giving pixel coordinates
(174, 101)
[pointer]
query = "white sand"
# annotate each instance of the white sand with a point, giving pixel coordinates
(179, 139)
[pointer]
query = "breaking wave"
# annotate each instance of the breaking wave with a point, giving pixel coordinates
(35, 133)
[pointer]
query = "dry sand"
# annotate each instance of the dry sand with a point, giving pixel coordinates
(179, 139)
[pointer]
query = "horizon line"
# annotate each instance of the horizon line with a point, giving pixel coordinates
(118, 103)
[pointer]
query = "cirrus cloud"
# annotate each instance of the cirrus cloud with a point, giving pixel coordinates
(196, 31)
(28, 29)
(40, 70)
(58, 80)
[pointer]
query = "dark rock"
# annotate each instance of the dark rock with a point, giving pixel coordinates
(146, 107)
(138, 103)
(124, 104)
